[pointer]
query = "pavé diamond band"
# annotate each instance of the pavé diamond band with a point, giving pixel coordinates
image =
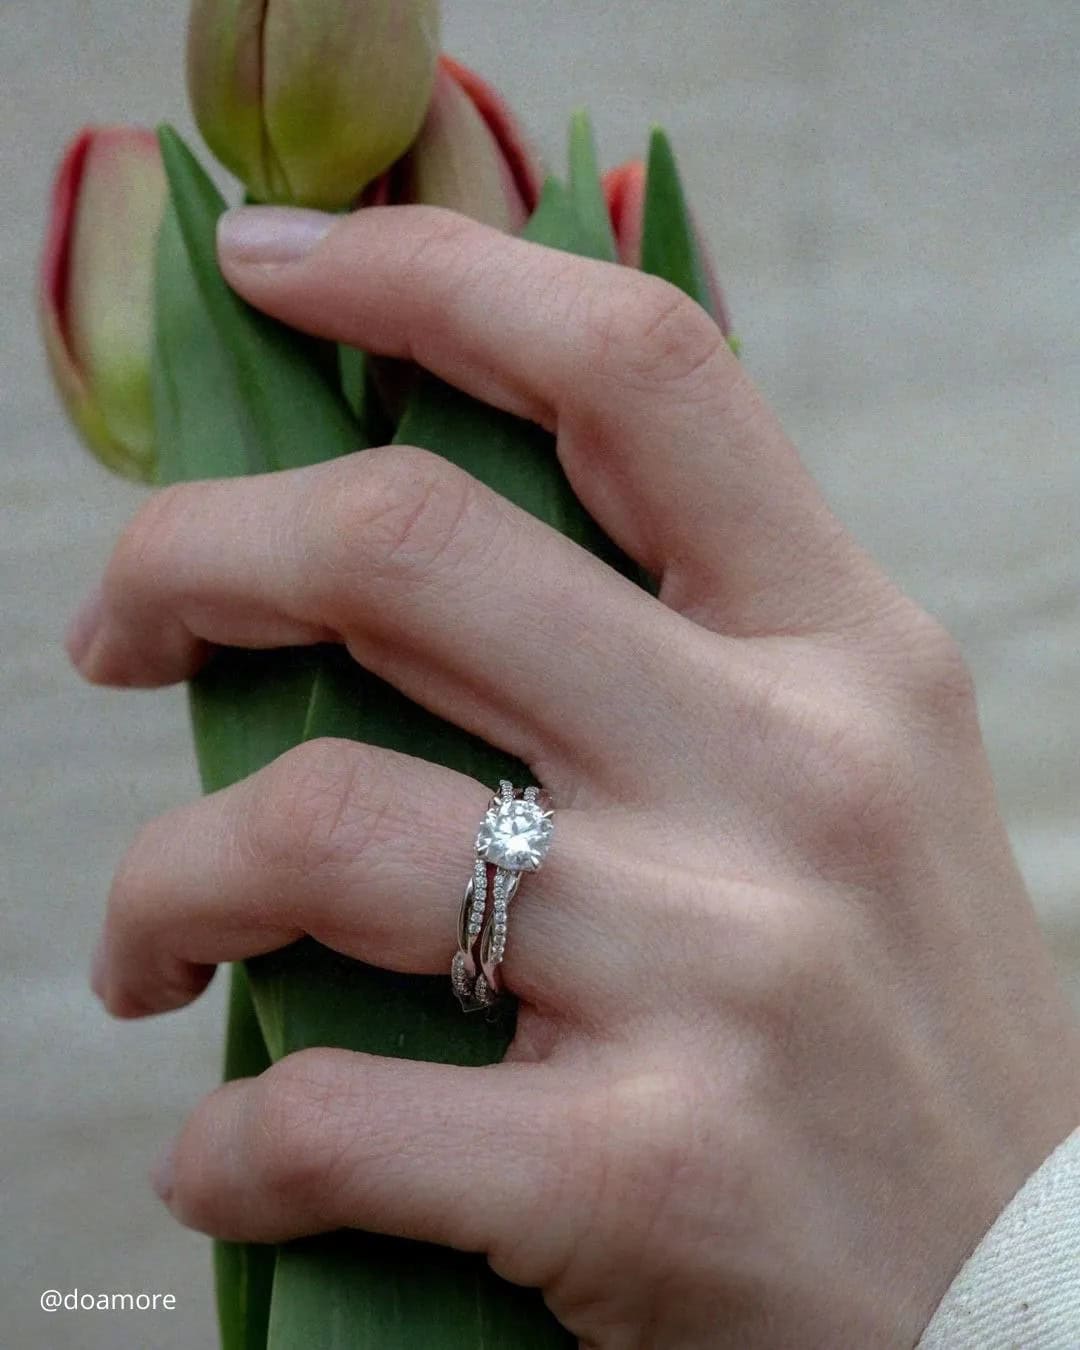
(514, 838)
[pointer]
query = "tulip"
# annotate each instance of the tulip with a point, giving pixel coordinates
(308, 101)
(470, 156)
(96, 291)
(624, 189)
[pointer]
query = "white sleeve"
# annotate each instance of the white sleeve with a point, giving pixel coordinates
(1020, 1288)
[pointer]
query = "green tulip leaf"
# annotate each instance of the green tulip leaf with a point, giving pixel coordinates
(208, 436)
(356, 373)
(587, 191)
(556, 218)
(327, 1296)
(246, 707)
(286, 399)
(669, 246)
(243, 1272)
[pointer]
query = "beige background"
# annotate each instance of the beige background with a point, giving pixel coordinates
(891, 191)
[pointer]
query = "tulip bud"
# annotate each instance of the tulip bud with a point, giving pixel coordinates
(96, 291)
(624, 189)
(470, 156)
(308, 101)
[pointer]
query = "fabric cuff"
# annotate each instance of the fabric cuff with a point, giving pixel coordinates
(1021, 1285)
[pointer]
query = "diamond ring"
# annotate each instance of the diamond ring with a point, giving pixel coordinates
(514, 838)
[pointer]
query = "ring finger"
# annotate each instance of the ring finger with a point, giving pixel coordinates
(364, 849)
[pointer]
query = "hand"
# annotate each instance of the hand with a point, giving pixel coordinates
(789, 1038)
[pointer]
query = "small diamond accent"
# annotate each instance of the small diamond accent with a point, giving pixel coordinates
(458, 977)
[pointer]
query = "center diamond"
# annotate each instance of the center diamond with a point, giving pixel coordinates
(516, 835)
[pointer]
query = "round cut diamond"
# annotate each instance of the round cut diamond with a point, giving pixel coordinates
(516, 835)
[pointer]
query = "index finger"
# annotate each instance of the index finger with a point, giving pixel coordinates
(661, 432)
(530, 329)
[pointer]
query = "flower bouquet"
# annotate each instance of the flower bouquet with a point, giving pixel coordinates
(169, 376)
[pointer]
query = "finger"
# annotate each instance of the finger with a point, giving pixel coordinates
(330, 1139)
(661, 432)
(467, 604)
(366, 850)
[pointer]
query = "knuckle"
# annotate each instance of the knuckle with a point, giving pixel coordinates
(869, 782)
(938, 676)
(194, 1196)
(442, 247)
(793, 965)
(147, 536)
(125, 887)
(408, 513)
(297, 1122)
(132, 880)
(650, 334)
(691, 911)
(562, 1166)
(847, 758)
(666, 1143)
(643, 1124)
(850, 777)
(785, 955)
(652, 1110)
(317, 803)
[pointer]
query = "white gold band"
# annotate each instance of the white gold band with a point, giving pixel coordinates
(514, 837)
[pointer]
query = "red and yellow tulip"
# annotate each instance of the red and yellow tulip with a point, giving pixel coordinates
(96, 288)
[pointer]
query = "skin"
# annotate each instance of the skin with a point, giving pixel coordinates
(789, 1036)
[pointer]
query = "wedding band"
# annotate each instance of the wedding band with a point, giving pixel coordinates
(514, 838)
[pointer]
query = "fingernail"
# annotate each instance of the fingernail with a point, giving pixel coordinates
(270, 234)
(163, 1173)
(97, 969)
(84, 626)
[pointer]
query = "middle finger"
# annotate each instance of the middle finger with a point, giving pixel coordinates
(466, 603)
